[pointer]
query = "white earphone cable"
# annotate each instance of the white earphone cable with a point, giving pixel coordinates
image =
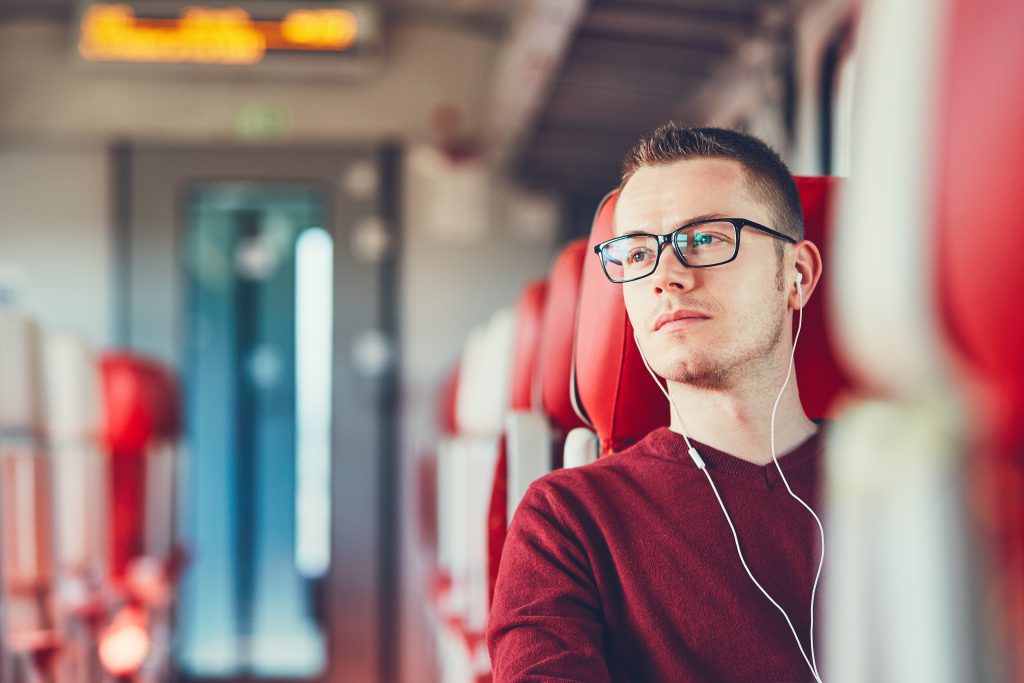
(821, 528)
(811, 663)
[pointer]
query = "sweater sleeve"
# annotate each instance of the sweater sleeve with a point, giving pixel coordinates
(545, 622)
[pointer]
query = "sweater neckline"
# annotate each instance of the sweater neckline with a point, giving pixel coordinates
(796, 461)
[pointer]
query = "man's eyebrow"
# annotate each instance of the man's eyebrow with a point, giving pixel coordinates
(692, 219)
(704, 217)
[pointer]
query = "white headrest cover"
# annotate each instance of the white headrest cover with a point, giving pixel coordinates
(485, 376)
(884, 304)
(21, 389)
(72, 388)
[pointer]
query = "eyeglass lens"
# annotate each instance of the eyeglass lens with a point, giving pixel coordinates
(636, 256)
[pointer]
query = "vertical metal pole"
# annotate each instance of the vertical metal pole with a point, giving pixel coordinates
(121, 215)
(247, 321)
(388, 421)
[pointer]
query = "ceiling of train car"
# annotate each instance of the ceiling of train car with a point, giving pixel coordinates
(622, 67)
(630, 66)
(486, 14)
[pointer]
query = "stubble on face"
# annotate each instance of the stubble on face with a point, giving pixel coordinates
(703, 370)
(721, 371)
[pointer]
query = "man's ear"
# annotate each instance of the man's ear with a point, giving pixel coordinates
(808, 266)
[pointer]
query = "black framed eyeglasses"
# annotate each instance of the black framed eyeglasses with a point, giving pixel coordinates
(701, 244)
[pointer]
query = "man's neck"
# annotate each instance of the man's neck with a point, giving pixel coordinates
(738, 421)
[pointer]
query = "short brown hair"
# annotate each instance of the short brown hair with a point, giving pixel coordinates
(768, 178)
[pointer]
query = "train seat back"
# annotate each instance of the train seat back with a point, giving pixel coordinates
(129, 433)
(819, 365)
(536, 437)
(162, 471)
(74, 418)
(611, 389)
(27, 542)
(558, 330)
(447, 595)
(80, 469)
(520, 364)
(141, 429)
(525, 447)
(527, 433)
(142, 422)
(526, 352)
(928, 457)
(977, 187)
(466, 469)
(443, 481)
(542, 412)
(27, 632)
(481, 403)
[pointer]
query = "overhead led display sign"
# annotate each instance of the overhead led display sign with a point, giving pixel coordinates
(122, 32)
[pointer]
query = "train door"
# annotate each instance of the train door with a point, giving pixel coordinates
(263, 276)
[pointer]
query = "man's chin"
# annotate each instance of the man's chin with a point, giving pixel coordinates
(680, 368)
(699, 371)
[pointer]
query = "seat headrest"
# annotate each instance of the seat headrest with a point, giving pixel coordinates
(22, 405)
(140, 403)
(448, 401)
(482, 396)
(529, 316)
(557, 332)
(72, 388)
(613, 390)
(818, 369)
(167, 400)
(978, 204)
(469, 365)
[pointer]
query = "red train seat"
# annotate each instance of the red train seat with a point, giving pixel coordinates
(557, 332)
(27, 633)
(80, 468)
(141, 427)
(535, 432)
(927, 472)
(466, 469)
(527, 433)
(80, 479)
(982, 144)
(528, 357)
(611, 390)
(525, 445)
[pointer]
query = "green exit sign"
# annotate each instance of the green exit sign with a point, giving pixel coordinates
(260, 122)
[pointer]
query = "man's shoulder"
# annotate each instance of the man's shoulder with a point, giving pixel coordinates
(573, 501)
(629, 459)
(578, 478)
(594, 482)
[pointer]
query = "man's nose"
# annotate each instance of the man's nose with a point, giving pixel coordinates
(671, 274)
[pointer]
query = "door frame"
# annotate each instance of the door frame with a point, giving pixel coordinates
(150, 185)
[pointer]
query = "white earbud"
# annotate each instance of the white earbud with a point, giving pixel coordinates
(799, 278)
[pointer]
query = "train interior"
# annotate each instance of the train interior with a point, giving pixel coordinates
(298, 297)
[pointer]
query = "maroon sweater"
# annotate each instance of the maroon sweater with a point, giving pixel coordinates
(626, 570)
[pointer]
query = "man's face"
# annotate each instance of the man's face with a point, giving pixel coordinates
(733, 316)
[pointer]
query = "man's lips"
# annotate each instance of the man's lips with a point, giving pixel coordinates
(680, 318)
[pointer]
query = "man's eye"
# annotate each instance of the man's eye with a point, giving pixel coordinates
(708, 239)
(638, 255)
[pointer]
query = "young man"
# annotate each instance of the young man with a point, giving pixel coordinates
(628, 569)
